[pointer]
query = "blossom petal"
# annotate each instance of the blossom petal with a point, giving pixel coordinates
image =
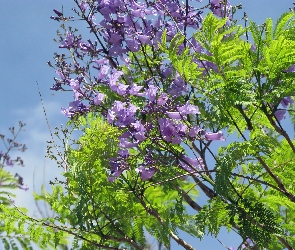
(214, 136)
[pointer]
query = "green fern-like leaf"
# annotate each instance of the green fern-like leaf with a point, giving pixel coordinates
(284, 23)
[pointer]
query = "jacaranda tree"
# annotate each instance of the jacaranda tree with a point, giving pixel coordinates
(173, 103)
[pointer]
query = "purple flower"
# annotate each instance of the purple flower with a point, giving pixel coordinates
(134, 90)
(111, 116)
(83, 5)
(138, 126)
(188, 109)
(117, 166)
(219, 8)
(280, 114)
(9, 162)
(167, 129)
(75, 84)
(98, 98)
(60, 74)
(103, 72)
(196, 163)
(133, 45)
(291, 69)
(140, 136)
(191, 165)
(121, 89)
(101, 61)
(208, 66)
(115, 38)
(194, 131)
(152, 92)
(114, 78)
(171, 30)
(181, 129)
(123, 112)
(116, 49)
(188, 169)
(144, 39)
(77, 95)
(74, 107)
(178, 87)
(111, 179)
(138, 10)
(176, 139)
(286, 101)
(138, 13)
(146, 173)
(214, 136)
(253, 48)
(171, 132)
(69, 41)
(174, 115)
(83, 46)
(116, 170)
(124, 143)
(126, 116)
(162, 99)
(57, 12)
(123, 153)
(167, 72)
(139, 133)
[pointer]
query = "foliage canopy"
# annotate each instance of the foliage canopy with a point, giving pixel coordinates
(235, 79)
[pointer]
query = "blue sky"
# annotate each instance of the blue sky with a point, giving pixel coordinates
(26, 44)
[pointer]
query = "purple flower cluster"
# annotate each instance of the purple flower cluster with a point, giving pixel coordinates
(191, 165)
(281, 113)
(74, 108)
(128, 26)
(152, 108)
(220, 8)
(163, 126)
